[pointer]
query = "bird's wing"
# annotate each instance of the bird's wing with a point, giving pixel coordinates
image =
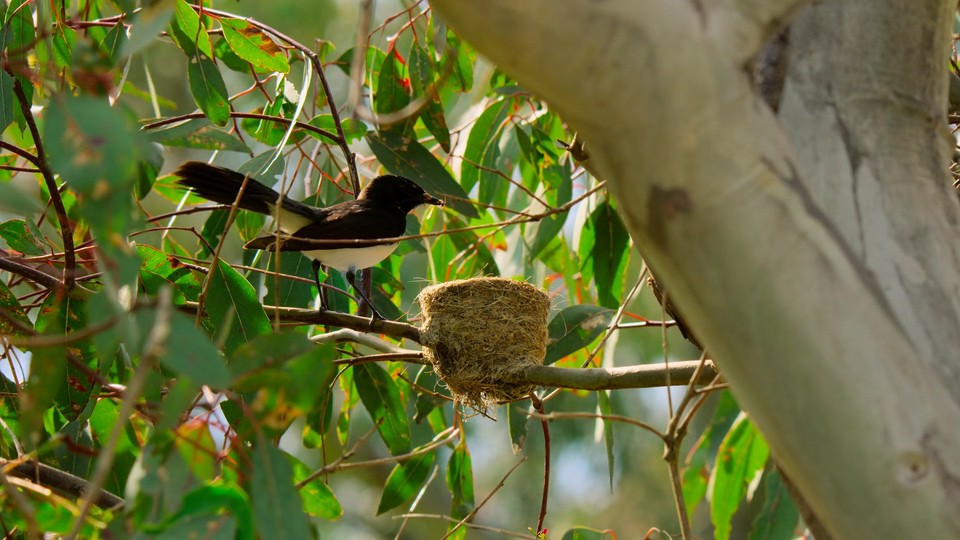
(345, 221)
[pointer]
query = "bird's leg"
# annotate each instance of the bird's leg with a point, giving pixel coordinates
(351, 275)
(320, 289)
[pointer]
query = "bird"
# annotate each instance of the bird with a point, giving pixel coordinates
(379, 212)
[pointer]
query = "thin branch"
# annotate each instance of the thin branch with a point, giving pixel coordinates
(413, 357)
(375, 343)
(235, 114)
(605, 417)
(639, 376)
(332, 318)
(29, 272)
(66, 230)
(545, 425)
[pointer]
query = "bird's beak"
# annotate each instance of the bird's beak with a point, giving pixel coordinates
(429, 199)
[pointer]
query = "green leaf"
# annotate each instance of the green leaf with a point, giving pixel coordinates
(605, 408)
(480, 159)
(778, 518)
(353, 130)
(92, 145)
(196, 446)
(13, 310)
(277, 508)
(696, 475)
(405, 480)
(6, 100)
(188, 32)
(406, 157)
(283, 291)
(605, 250)
(318, 498)
(574, 328)
(740, 461)
(189, 352)
(392, 93)
(584, 533)
(208, 88)
(23, 236)
(460, 481)
(213, 502)
(426, 403)
(18, 35)
(114, 42)
(235, 312)
(381, 398)
(16, 201)
(168, 268)
(227, 57)
(518, 421)
(200, 137)
(252, 45)
(422, 76)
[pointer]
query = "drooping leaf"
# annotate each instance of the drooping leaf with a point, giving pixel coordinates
(460, 481)
(277, 508)
(6, 100)
(208, 88)
(188, 32)
(393, 92)
(405, 480)
(480, 159)
(381, 398)
(407, 157)
(740, 462)
(574, 328)
(696, 474)
(318, 499)
(235, 312)
(778, 518)
(605, 408)
(605, 250)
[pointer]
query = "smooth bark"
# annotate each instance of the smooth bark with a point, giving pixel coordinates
(715, 193)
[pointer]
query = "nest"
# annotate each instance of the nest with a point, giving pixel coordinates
(479, 334)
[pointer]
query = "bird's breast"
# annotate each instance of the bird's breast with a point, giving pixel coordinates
(344, 259)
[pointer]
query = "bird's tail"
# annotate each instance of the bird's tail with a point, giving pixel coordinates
(222, 185)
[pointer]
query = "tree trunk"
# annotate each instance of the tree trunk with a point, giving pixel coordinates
(815, 254)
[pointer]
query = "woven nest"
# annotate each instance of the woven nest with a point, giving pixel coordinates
(479, 333)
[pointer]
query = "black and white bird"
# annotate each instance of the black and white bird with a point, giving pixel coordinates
(379, 212)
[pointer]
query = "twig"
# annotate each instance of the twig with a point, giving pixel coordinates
(604, 417)
(416, 500)
(538, 406)
(469, 516)
(413, 357)
(361, 338)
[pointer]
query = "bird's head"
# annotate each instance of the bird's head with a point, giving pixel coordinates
(399, 191)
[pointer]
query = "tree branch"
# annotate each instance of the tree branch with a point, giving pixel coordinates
(29, 272)
(47, 476)
(640, 376)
